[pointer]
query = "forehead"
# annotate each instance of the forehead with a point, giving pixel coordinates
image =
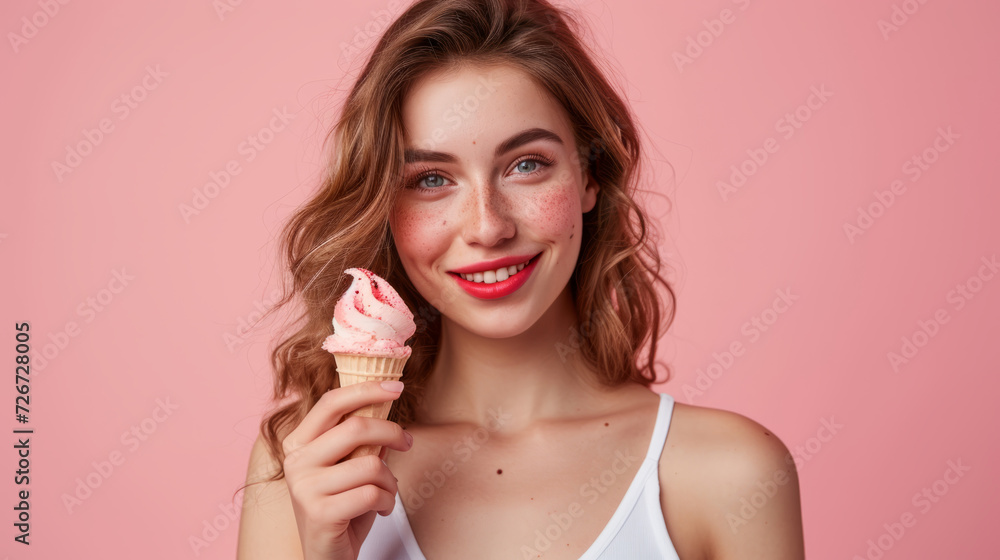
(482, 103)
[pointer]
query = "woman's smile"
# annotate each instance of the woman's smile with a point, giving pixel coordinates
(488, 219)
(499, 282)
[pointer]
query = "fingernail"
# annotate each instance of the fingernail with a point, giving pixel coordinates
(393, 386)
(409, 438)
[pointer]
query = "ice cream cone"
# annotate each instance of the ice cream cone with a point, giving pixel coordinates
(357, 368)
(371, 325)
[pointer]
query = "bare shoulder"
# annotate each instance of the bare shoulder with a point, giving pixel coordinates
(723, 441)
(267, 523)
(734, 485)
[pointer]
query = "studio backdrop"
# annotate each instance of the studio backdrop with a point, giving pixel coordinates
(818, 174)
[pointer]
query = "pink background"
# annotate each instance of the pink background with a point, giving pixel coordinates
(192, 281)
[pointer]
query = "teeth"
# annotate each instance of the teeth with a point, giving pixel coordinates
(493, 276)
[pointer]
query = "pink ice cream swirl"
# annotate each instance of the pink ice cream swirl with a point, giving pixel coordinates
(370, 319)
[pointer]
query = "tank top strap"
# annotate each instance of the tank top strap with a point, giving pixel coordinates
(663, 416)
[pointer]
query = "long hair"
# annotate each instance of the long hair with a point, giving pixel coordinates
(614, 284)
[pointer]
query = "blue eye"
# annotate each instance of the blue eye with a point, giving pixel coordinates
(532, 164)
(426, 180)
(431, 181)
(527, 166)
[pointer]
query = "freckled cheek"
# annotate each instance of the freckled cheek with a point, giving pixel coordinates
(554, 212)
(420, 234)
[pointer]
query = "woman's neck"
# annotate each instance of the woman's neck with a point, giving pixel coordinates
(535, 375)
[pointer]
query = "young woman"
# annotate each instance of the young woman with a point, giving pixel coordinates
(481, 137)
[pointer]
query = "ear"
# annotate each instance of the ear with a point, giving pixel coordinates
(590, 190)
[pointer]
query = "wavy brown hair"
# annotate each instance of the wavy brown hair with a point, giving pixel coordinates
(614, 284)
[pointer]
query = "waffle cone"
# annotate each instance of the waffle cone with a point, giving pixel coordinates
(356, 368)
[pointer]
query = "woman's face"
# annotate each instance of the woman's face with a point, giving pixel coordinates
(492, 180)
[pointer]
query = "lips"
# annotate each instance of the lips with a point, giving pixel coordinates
(494, 264)
(509, 274)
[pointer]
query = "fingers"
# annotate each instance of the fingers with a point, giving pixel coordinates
(360, 500)
(333, 406)
(338, 442)
(355, 473)
(331, 498)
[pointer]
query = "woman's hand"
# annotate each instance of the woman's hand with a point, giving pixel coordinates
(335, 502)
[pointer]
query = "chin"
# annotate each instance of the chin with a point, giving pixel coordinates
(497, 327)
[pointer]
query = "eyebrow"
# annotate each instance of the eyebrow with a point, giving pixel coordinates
(514, 142)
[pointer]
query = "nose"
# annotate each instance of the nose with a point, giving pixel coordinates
(487, 216)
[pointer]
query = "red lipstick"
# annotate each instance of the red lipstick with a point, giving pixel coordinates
(499, 289)
(493, 265)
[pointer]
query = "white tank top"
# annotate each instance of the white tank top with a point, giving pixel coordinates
(636, 531)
